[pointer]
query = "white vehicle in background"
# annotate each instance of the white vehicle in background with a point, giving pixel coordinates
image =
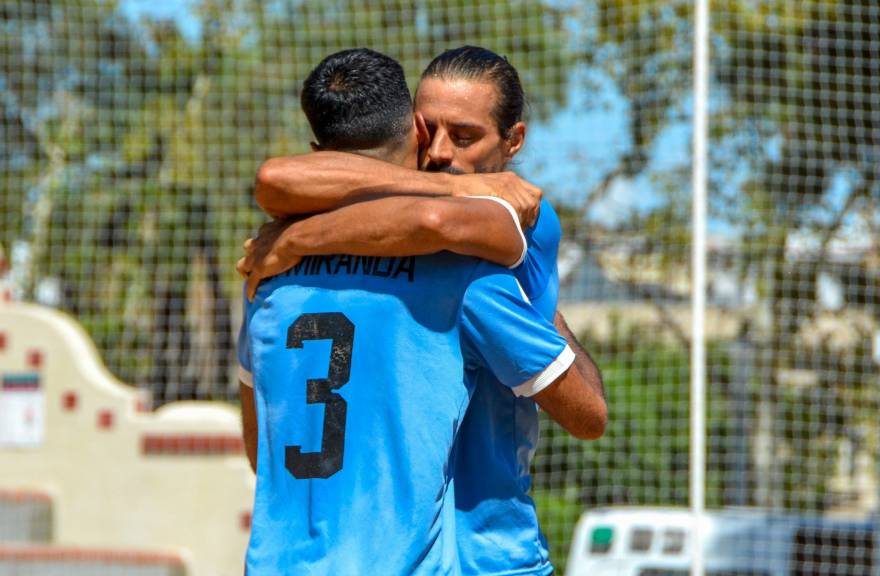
(736, 542)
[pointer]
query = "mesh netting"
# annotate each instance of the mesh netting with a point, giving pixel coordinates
(132, 130)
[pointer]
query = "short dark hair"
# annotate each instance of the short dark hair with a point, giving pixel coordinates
(476, 63)
(357, 100)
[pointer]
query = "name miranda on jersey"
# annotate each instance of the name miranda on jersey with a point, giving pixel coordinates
(385, 267)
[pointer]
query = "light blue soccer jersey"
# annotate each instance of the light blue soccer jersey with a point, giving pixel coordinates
(497, 525)
(357, 365)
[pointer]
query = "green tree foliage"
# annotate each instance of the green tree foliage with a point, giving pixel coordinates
(802, 112)
(794, 149)
(643, 459)
(130, 149)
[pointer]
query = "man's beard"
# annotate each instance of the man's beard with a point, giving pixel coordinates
(458, 172)
(447, 169)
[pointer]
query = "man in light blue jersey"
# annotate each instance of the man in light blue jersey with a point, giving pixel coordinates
(362, 368)
(472, 102)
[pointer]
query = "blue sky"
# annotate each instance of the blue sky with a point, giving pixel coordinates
(179, 10)
(591, 134)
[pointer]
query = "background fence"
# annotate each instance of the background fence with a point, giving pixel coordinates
(130, 133)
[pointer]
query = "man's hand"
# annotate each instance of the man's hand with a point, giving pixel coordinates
(266, 255)
(523, 196)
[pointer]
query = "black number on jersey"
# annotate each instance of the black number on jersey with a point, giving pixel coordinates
(326, 326)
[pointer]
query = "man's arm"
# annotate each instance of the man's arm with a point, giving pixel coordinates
(320, 181)
(576, 400)
(505, 334)
(249, 423)
(396, 226)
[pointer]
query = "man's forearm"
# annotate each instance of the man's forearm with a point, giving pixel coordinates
(576, 401)
(410, 226)
(322, 181)
(583, 361)
(249, 424)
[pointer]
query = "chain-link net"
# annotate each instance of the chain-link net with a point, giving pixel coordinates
(624, 261)
(795, 143)
(792, 320)
(132, 131)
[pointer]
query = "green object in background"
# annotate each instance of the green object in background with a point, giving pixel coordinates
(601, 540)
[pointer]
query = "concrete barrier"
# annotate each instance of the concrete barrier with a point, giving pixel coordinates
(120, 478)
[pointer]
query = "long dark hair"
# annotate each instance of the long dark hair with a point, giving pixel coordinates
(476, 63)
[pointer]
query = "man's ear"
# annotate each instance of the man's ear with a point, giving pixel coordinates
(421, 130)
(516, 139)
(315, 146)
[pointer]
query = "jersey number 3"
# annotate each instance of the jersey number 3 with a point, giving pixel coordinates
(326, 326)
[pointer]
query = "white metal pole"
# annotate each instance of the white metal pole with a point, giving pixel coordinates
(698, 296)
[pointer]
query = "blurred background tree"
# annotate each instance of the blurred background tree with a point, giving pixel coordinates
(129, 148)
(131, 151)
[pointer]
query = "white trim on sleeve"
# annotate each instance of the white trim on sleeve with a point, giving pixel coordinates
(245, 377)
(562, 363)
(513, 215)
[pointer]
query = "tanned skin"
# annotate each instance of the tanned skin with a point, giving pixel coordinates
(466, 150)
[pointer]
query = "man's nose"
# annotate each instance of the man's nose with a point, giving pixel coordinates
(440, 151)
